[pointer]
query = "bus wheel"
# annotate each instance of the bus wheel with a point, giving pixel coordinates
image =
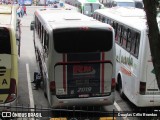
(117, 87)
(120, 88)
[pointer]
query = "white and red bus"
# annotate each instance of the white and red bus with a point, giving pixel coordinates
(76, 56)
(135, 77)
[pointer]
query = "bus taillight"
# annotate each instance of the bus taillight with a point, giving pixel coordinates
(52, 87)
(12, 91)
(113, 84)
(142, 88)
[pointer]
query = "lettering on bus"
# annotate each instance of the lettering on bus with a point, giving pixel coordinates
(125, 60)
(83, 70)
(4, 82)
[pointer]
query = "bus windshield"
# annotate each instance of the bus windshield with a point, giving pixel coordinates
(74, 40)
(126, 4)
(5, 46)
(89, 8)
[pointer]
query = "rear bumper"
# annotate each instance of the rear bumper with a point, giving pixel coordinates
(92, 101)
(147, 101)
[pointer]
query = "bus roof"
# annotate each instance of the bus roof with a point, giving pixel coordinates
(5, 9)
(6, 14)
(130, 16)
(5, 19)
(58, 18)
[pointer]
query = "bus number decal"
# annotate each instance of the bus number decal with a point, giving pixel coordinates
(84, 89)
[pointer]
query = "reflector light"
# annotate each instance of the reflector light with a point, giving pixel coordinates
(12, 91)
(52, 86)
(84, 28)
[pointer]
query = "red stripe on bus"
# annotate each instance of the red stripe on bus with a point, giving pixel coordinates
(64, 72)
(103, 58)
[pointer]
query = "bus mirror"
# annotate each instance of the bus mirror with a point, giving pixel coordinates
(32, 25)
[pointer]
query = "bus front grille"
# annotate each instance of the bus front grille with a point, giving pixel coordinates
(2, 70)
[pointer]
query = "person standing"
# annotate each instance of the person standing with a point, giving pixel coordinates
(24, 8)
(22, 11)
(19, 11)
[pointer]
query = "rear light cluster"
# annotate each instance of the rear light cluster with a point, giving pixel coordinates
(113, 84)
(142, 88)
(12, 91)
(52, 87)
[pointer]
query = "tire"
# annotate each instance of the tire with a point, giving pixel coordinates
(117, 87)
(122, 95)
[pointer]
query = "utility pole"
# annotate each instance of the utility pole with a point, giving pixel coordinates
(150, 7)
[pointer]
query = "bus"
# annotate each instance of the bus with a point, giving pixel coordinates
(75, 54)
(135, 77)
(8, 56)
(86, 7)
(113, 3)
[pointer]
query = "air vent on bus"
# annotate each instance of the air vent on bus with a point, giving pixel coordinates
(2, 70)
(72, 18)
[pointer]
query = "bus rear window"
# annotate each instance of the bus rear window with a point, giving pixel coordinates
(5, 46)
(74, 40)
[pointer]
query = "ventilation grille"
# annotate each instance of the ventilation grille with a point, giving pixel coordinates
(2, 70)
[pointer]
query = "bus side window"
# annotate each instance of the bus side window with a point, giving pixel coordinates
(124, 37)
(39, 28)
(129, 38)
(119, 34)
(79, 7)
(5, 45)
(94, 15)
(109, 21)
(42, 32)
(106, 20)
(135, 44)
(36, 23)
(114, 25)
(99, 18)
(103, 19)
(46, 42)
(40, 35)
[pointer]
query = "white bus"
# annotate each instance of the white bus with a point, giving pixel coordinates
(76, 58)
(135, 77)
(86, 7)
(122, 3)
